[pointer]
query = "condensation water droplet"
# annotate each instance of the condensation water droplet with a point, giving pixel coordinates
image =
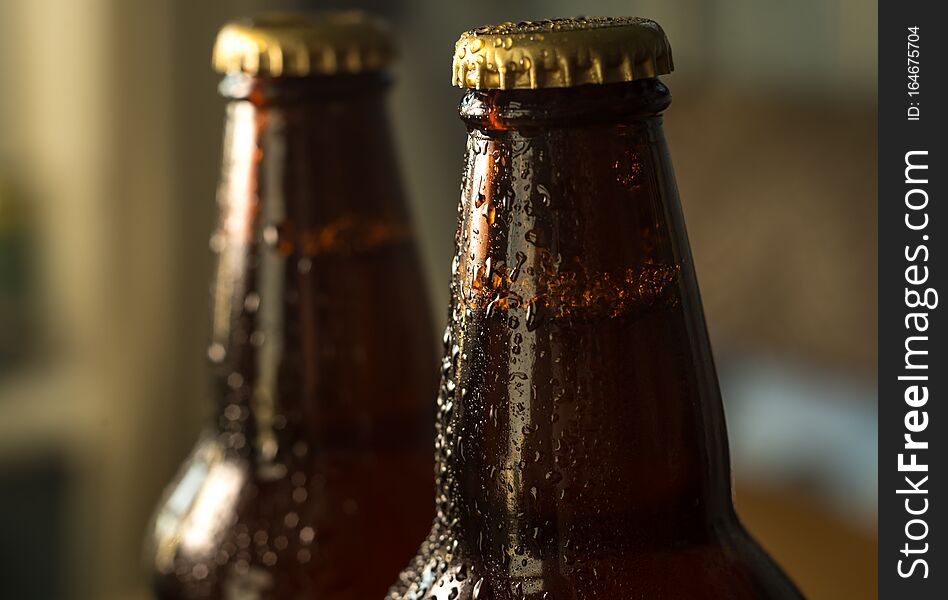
(300, 449)
(535, 237)
(233, 412)
(252, 302)
(521, 258)
(477, 279)
(304, 265)
(268, 448)
(491, 214)
(271, 235)
(235, 380)
(544, 194)
(533, 316)
(217, 242)
(216, 352)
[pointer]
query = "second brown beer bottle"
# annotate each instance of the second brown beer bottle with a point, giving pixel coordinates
(581, 450)
(314, 480)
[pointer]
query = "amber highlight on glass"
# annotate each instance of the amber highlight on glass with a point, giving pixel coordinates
(581, 449)
(314, 480)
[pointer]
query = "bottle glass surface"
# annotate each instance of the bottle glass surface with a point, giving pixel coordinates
(581, 447)
(315, 479)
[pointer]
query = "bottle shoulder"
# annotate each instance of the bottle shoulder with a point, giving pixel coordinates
(228, 524)
(728, 571)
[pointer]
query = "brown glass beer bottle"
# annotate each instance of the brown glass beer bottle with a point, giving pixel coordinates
(581, 449)
(314, 480)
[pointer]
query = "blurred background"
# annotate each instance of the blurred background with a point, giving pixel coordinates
(110, 131)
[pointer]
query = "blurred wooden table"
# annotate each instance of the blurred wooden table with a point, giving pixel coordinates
(828, 558)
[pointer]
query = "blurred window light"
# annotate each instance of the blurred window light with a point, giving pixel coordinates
(791, 425)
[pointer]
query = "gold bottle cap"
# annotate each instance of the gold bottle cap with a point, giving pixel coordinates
(561, 53)
(299, 44)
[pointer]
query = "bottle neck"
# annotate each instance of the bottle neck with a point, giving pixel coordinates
(311, 255)
(580, 405)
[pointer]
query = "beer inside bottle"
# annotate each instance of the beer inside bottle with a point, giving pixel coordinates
(314, 480)
(581, 449)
